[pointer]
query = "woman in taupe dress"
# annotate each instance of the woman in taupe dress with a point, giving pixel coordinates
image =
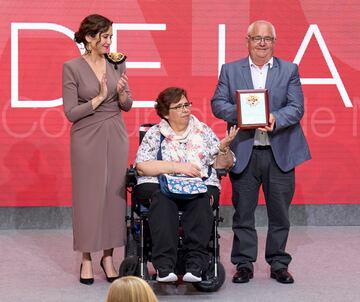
(95, 92)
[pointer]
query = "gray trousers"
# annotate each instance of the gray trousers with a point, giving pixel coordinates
(278, 188)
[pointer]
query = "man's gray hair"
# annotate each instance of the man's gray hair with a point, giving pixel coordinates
(251, 27)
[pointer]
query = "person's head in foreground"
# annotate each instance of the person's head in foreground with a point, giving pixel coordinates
(130, 289)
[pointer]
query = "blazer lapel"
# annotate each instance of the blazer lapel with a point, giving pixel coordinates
(246, 74)
(272, 73)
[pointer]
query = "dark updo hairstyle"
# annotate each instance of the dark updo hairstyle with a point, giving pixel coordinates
(91, 25)
(170, 95)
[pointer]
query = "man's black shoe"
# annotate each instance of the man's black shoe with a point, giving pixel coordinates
(282, 275)
(242, 275)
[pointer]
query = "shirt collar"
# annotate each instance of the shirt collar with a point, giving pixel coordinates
(270, 62)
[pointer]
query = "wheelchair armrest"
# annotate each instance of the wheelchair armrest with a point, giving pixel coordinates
(131, 177)
(221, 173)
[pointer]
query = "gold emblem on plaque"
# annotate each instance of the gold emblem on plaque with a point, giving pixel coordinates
(252, 100)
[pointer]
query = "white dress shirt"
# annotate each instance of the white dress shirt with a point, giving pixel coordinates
(258, 76)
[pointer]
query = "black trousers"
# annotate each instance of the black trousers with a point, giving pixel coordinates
(278, 188)
(197, 222)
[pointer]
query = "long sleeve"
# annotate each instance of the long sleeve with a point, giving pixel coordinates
(125, 106)
(74, 110)
(220, 103)
(293, 111)
(128, 104)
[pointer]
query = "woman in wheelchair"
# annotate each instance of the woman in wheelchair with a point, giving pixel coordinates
(180, 145)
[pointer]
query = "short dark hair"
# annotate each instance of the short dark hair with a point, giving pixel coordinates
(91, 25)
(168, 96)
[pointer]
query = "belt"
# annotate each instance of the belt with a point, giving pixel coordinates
(259, 147)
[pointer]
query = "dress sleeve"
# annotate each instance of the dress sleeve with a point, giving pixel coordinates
(129, 101)
(74, 110)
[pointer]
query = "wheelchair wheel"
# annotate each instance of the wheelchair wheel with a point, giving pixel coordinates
(131, 245)
(130, 266)
(210, 283)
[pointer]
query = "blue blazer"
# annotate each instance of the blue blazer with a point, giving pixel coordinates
(286, 103)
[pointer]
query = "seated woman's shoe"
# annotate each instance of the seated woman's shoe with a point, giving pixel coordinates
(86, 281)
(109, 279)
(192, 277)
(166, 277)
(193, 273)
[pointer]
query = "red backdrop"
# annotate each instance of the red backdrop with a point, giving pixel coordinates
(188, 43)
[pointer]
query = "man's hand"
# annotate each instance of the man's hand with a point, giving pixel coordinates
(271, 126)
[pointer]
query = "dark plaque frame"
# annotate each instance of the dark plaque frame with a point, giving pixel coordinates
(252, 108)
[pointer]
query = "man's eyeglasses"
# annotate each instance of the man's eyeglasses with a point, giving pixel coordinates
(182, 107)
(258, 39)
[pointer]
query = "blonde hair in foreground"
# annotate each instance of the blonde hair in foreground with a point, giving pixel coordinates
(130, 289)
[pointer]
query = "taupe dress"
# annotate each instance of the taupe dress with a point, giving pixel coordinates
(99, 156)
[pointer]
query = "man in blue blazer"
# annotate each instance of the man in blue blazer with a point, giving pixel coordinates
(265, 156)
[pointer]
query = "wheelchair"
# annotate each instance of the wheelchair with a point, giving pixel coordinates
(138, 247)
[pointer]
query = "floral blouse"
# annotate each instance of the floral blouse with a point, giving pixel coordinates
(149, 147)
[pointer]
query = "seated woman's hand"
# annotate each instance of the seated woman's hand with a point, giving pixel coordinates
(189, 169)
(229, 137)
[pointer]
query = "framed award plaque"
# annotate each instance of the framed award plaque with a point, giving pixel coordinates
(252, 108)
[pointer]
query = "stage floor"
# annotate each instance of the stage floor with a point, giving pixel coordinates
(40, 265)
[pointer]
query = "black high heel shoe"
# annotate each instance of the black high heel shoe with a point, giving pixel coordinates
(109, 279)
(86, 281)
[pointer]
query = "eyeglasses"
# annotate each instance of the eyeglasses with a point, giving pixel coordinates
(259, 39)
(182, 107)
